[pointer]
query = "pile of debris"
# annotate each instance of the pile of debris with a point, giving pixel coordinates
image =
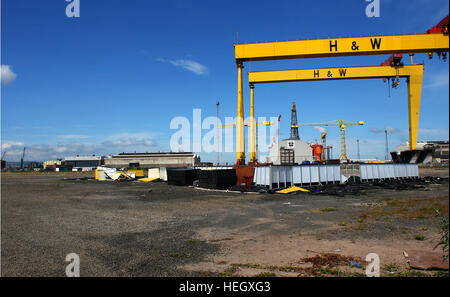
(106, 173)
(353, 186)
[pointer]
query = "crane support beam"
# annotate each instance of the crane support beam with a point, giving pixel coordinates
(252, 127)
(335, 47)
(413, 73)
(240, 143)
(333, 73)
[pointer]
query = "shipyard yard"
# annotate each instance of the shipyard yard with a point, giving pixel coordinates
(155, 229)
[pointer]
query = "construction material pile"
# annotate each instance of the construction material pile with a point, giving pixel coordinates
(355, 187)
(106, 173)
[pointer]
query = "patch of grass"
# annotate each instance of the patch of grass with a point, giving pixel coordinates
(444, 242)
(178, 255)
(415, 273)
(419, 237)
(266, 274)
(343, 224)
(360, 220)
(330, 268)
(361, 227)
(194, 240)
(392, 267)
(412, 208)
(229, 272)
(327, 209)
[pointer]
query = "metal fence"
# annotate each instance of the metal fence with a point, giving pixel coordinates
(284, 176)
(388, 171)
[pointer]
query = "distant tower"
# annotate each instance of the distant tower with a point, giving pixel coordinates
(294, 123)
(386, 154)
(357, 147)
(219, 136)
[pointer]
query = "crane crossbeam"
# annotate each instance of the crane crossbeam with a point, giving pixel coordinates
(413, 73)
(333, 73)
(335, 47)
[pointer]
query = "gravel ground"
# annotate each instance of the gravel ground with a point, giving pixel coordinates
(152, 229)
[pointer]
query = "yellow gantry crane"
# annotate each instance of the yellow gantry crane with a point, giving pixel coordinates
(413, 74)
(437, 42)
(342, 124)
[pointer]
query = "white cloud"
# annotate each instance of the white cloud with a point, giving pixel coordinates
(7, 76)
(319, 129)
(39, 152)
(129, 142)
(110, 145)
(11, 145)
(73, 136)
(190, 65)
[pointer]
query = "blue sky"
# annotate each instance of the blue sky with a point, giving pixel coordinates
(113, 79)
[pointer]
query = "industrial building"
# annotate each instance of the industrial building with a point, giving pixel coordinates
(152, 160)
(51, 163)
(84, 163)
(290, 152)
(438, 150)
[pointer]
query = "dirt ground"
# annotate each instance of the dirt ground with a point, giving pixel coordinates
(152, 229)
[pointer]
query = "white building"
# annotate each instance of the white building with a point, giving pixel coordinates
(290, 151)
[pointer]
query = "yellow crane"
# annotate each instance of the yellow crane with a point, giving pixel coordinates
(323, 142)
(341, 125)
(437, 42)
(413, 74)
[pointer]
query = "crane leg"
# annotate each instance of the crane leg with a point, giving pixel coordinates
(252, 127)
(414, 92)
(240, 143)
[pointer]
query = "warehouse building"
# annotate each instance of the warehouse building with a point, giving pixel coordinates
(152, 160)
(84, 163)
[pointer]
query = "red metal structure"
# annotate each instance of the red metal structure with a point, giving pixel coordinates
(442, 27)
(394, 60)
(317, 151)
